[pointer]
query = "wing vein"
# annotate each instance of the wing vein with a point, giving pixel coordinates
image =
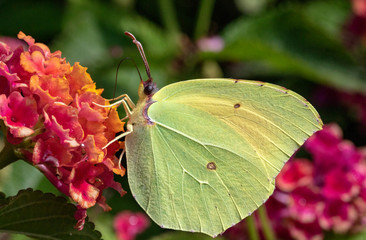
(156, 176)
(169, 185)
(206, 144)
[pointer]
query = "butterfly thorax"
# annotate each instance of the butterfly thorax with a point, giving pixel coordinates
(139, 113)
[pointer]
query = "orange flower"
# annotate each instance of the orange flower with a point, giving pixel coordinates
(48, 106)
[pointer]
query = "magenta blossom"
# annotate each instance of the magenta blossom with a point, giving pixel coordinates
(127, 225)
(211, 44)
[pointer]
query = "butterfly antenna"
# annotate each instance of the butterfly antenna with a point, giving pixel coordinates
(115, 82)
(119, 64)
(142, 53)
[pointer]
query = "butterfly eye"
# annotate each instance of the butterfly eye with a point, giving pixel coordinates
(148, 89)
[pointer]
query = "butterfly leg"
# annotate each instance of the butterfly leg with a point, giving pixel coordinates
(128, 131)
(120, 158)
(125, 98)
(128, 100)
(125, 101)
(110, 105)
(127, 106)
(122, 119)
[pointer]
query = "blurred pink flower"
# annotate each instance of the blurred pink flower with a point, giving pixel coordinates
(355, 28)
(329, 151)
(211, 44)
(127, 224)
(345, 190)
(338, 215)
(296, 173)
(306, 231)
(327, 193)
(305, 203)
(359, 7)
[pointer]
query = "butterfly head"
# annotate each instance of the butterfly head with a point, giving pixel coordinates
(148, 87)
(146, 90)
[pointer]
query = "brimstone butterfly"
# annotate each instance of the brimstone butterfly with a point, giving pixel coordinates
(203, 154)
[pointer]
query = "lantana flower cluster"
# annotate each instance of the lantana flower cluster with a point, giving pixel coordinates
(49, 110)
(326, 193)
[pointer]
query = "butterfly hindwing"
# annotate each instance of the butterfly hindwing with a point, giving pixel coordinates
(211, 149)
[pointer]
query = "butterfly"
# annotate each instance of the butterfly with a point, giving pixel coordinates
(203, 154)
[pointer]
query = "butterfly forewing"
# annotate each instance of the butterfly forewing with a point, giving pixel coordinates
(211, 149)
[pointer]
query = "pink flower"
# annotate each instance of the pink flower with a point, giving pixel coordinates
(329, 151)
(359, 7)
(211, 44)
(305, 204)
(355, 29)
(346, 189)
(19, 114)
(296, 173)
(338, 216)
(127, 225)
(61, 120)
(8, 81)
(306, 231)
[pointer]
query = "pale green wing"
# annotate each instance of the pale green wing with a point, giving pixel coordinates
(213, 149)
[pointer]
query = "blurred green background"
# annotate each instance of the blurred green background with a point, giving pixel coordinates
(312, 47)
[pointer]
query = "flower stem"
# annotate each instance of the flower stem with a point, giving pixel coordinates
(252, 230)
(266, 225)
(204, 18)
(169, 16)
(7, 155)
(61, 186)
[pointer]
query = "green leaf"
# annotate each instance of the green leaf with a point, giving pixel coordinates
(7, 154)
(357, 236)
(104, 224)
(289, 43)
(157, 42)
(330, 15)
(19, 175)
(42, 216)
(20, 15)
(81, 39)
(184, 236)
